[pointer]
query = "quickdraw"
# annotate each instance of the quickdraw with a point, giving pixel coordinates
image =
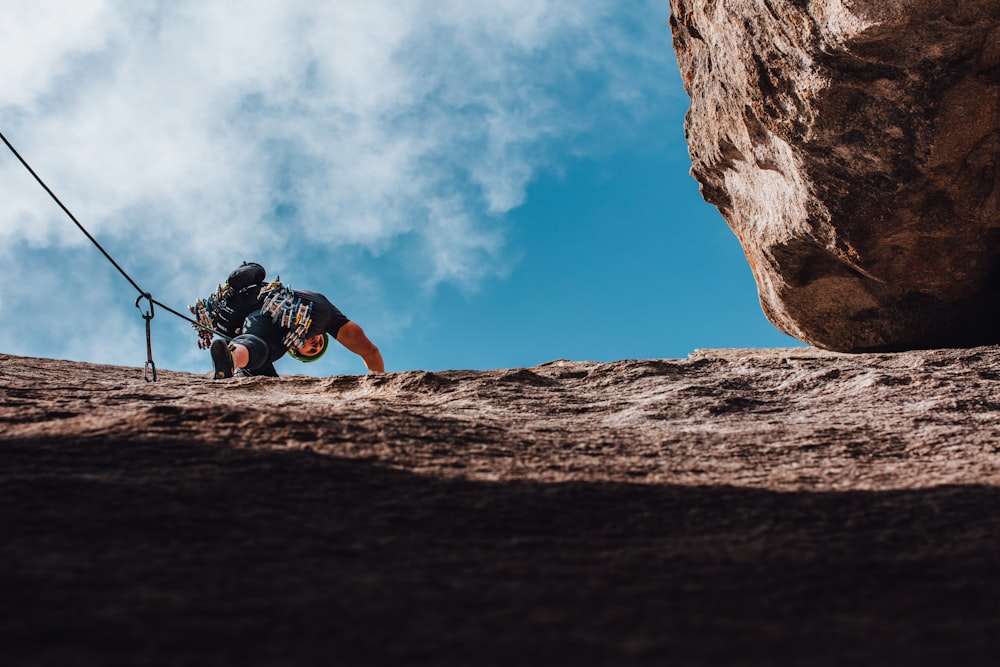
(288, 311)
(208, 312)
(149, 370)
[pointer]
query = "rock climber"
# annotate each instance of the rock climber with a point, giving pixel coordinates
(265, 320)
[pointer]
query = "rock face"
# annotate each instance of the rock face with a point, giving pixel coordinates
(788, 506)
(852, 146)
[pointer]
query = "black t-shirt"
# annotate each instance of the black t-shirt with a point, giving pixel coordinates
(325, 316)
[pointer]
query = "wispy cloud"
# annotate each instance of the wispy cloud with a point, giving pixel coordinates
(178, 128)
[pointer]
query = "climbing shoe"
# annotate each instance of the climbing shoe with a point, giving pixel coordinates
(222, 359)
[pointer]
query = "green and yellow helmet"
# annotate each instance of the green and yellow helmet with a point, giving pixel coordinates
(303, 358)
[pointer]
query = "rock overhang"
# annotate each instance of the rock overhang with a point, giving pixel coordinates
(853, 149)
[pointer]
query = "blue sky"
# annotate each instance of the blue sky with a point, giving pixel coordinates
(480, 187)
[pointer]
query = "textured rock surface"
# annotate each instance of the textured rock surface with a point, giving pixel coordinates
(738, 507)
(853, 147)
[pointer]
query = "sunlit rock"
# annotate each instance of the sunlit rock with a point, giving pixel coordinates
(853, 149)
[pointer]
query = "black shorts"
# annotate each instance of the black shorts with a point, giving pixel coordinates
(263, 338)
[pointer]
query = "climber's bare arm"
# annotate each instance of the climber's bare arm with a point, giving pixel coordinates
(354, 339)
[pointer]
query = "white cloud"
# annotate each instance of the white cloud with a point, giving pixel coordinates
(187, 132)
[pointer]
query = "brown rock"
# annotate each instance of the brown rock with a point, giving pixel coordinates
(853, 149)
(751, 507)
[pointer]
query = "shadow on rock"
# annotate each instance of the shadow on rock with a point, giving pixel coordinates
(140, 552)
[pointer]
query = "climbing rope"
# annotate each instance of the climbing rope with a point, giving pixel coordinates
(149, 370)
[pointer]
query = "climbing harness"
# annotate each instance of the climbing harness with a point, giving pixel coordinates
(149, 371)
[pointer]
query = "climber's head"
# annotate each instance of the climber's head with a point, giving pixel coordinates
(312, 349)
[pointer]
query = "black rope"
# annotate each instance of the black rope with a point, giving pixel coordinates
(148, 315)
(70, 214)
